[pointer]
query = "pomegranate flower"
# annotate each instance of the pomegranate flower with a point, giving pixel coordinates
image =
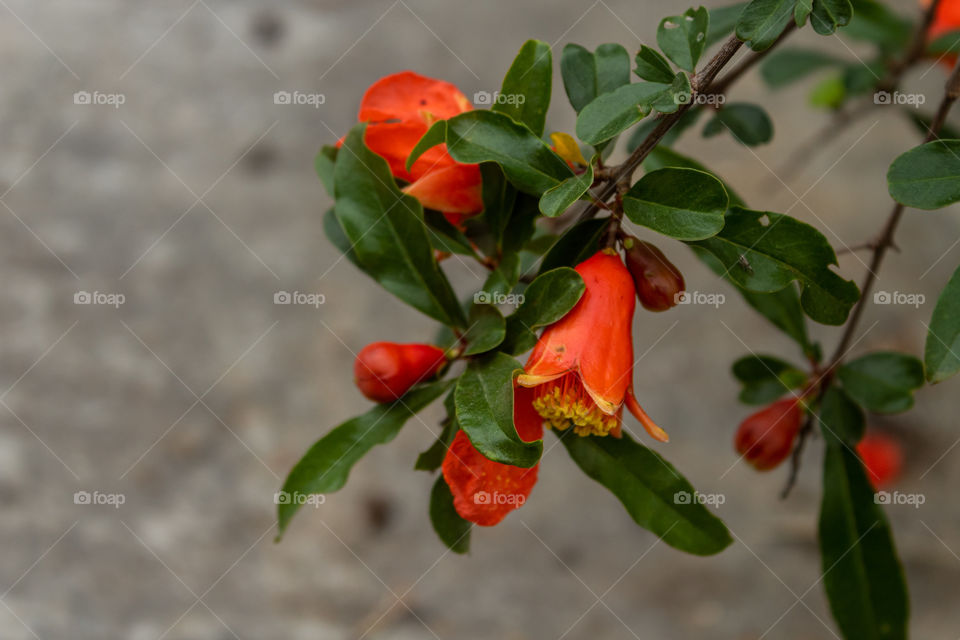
(399, 109)
(384, 371)
(765, 438)
(882, 457)
(581, 369)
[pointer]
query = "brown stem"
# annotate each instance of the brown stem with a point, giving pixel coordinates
(721, 85)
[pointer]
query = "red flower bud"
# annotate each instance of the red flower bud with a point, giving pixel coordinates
(384, 371)
(655, 278)
(882, 457)
(766, 438)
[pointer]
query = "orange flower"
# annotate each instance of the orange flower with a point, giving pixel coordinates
(581, 369)
(399, 109)
(484, 491)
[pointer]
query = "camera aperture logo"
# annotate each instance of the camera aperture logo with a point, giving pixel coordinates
(299, 98)
(485, 98)
(99, 298)
(312, 499)
(896, 498)
(114, 500)
(709, 499)
(98, 98)
(485, 497)
(896, 297)
(299, 298)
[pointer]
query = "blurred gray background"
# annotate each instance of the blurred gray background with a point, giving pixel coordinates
(196, 200)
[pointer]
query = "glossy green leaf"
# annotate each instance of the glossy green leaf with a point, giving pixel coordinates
(499, 197)
(436, 134)
(432, 458)
(446, 237)
(655, 495)
(802, 11)
(558, 199)
(882, 382)
(928, 176)
(615, 112)
(787, 65)
(862, 575)
(676, 94)
(779, 249)
(486, 331)
(336, 236)
(578, 243)
(685, 204)
(847, 422)
(501, 280)
(942, 353)
(484, 400)
(325, 467)
(522, 223)
(547, 299)
(876, 23)
(587, 75)
(452, 530)
(324, 163)
(723, 20)
(829, 15)
(662, 157)
(525, 93)
(652, 66)
(387, 232)
(766, 378)
(748, 123)
(488, 136)
(683, 38)
(762, 22)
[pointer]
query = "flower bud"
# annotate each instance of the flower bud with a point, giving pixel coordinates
(766, 438)
(384, 371)
(882, 457)
(657, 281)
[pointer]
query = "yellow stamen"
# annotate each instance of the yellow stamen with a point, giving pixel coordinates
(564, 403)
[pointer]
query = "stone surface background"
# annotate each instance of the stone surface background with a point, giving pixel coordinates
(196, 200)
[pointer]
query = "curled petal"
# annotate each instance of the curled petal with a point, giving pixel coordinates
(410, 96)
(453, 189)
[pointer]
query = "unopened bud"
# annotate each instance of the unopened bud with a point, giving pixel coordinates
(765, 438)
(384, 371)
(657, 281)
(882, 457)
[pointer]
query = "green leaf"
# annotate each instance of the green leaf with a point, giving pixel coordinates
(484, 400)
(943, 334)
(676, 94)
(652, 66)
(882, 382)
(802, 11)
(446, 237)
(723, 20)
(578, 243)
(862, 574)
(324, 163)
(787, 65)
(334, 233)
(829, 15)
(325, 467)
(684, 37)
(558, 199)
(766, 378)
(655, 495)
(387, 232)
(748, 123)
(685, 204)
(587, 75)
(874, 22)
(762, 22)
(522, 223)
(525, 93)
(432, 458)
(778, 250)
(662, 157)
(488, 136)
(501, 280)
(928, 176)
(547, 299)
(452, 530)
(847, 421)
(615, 112)
(499, 197)
(436, 134)
(486, 331)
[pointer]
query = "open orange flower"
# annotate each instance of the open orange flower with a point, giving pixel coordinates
(399, 109)
(582, 367)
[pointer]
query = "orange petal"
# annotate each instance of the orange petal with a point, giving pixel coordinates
(393, 141)
(454, 189)
(410, 96)
(528, 422)
(648, 424)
